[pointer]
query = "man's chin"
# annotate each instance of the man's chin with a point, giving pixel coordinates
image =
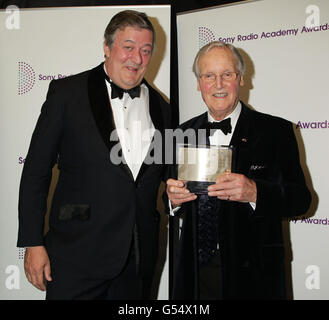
(132, 83)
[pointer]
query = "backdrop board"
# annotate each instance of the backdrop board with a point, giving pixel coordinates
(285, 45)
(38, 45)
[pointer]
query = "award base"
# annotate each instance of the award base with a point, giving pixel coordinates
(198, 187)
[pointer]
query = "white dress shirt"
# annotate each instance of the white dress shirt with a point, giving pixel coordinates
(134, 126)
(219, 138)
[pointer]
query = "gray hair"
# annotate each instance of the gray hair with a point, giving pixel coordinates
(127, 18)
(218, 44)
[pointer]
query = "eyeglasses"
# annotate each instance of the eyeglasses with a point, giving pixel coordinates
(211, 78)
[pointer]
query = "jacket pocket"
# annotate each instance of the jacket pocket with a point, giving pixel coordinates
(74, 212)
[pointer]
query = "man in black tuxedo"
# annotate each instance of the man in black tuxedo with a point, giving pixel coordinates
(231, 245)
(98, 126)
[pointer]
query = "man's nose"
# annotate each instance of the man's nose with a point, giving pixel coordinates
(136, 57)
(218, 82)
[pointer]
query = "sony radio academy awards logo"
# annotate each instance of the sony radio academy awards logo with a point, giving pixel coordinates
(27, 77)
(312, 25)
(205, 36)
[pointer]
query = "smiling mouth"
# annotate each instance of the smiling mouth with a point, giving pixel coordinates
(220, 95)
(132, 69)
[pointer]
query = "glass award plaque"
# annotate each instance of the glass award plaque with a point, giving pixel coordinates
(200, 166)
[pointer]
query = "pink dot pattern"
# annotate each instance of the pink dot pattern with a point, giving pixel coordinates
(205, 36)
(21, 253)
(26, 77)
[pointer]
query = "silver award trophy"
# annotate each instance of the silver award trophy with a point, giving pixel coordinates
(199, 166)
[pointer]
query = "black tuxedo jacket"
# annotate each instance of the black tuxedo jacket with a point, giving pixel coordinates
(251, 242)
(97, 206)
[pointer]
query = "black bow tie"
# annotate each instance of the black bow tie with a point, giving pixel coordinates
(224, 125)
(117, 92)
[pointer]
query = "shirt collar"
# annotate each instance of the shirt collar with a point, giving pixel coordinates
(109, 86)
(234, 116)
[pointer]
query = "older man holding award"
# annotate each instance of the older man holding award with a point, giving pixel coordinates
(231, 245)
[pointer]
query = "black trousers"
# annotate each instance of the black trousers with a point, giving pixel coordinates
(210, 279)
(70, 283)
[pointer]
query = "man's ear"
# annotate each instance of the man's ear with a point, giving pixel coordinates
(107, 50)
(241, 81)
(198, 86)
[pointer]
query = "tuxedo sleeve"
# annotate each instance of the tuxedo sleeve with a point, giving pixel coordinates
(287, 194)
(37, 171)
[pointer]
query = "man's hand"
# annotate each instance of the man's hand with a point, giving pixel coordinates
(177, 193)
(37, 266)
(234, 187)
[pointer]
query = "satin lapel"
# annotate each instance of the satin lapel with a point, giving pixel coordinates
(158, 122)
(101, 109)
(242, 140)
(200, 123)
(155, 109)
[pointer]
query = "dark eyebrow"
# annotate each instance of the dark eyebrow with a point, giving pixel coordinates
(133, 42)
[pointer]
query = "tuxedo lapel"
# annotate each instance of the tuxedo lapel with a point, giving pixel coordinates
(242, 140)
(199, 123)
(158, 122)
(102, 112)
(155, 110)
